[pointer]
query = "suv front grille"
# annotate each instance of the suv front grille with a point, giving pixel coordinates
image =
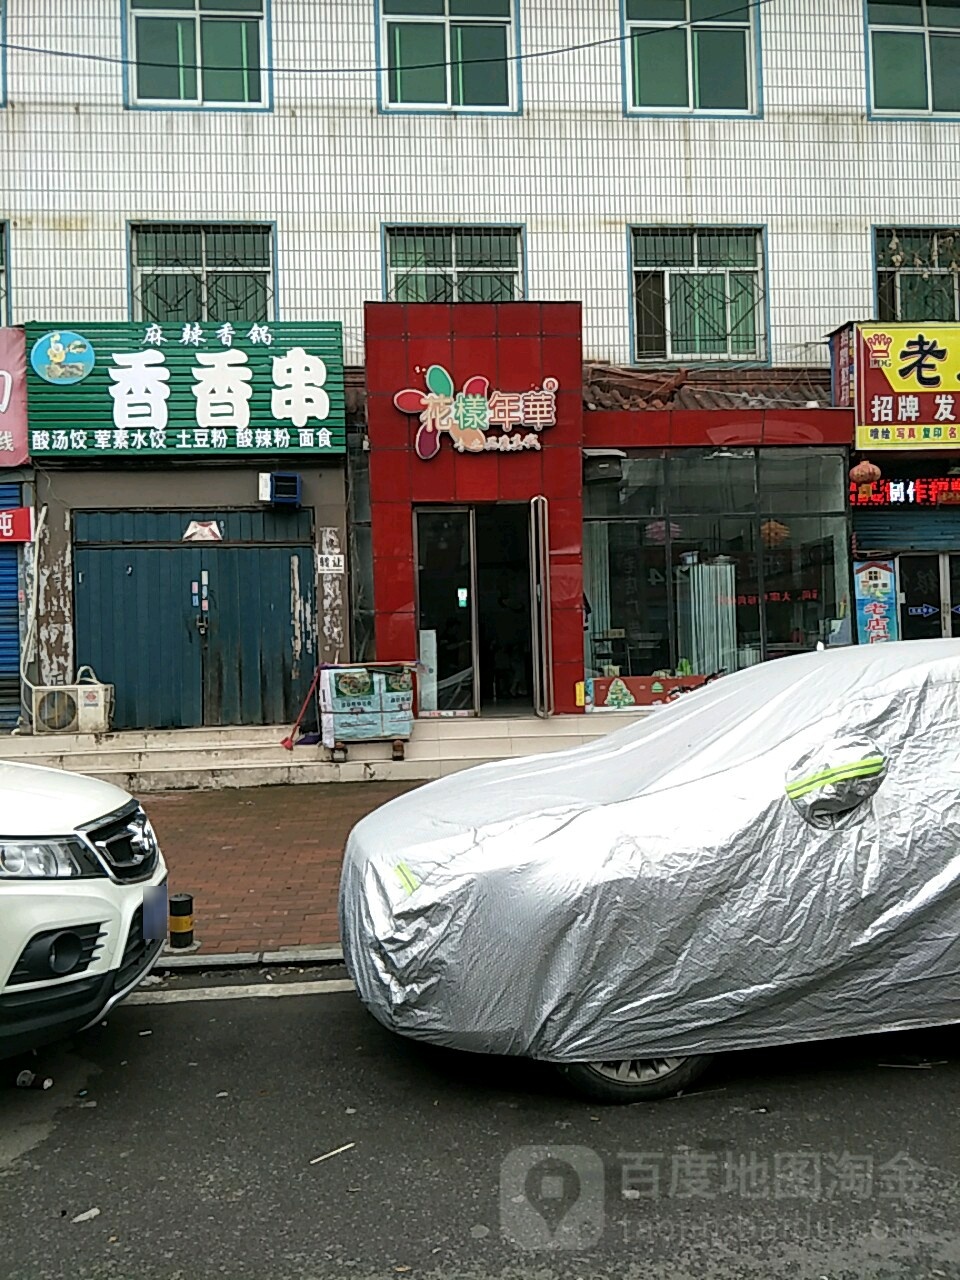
(137, 953)
(127, 844)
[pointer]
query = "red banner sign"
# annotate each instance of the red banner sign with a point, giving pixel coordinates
(924, 491)
(13, 398)
(16, 525)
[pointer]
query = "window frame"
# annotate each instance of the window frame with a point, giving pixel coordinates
(762, 353)
(513, 107)
(754, 513)
(896, 273)
(6, 306)
(3, 53)
(754, 68)
(132, 99)
(135, 272)
(517, 229)
(904, 113)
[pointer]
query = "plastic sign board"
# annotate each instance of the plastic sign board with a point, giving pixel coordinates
(16, 525)
(185, 390)
(906, 381)
(13, 398)
(875, 582)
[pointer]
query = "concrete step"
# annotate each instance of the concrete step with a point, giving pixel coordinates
(238, 777)
(177, 777)
(190, 759)
(18, 746)
(231, 755)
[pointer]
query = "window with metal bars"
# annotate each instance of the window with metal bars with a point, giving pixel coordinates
(454, 264)
(198, 52)
(698, 293)
(918, 274)
(449, 54)
(691, 55)
(915, 56)
(193, 272)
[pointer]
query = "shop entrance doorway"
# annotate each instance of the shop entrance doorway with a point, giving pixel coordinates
(929, 587)
(484, 609)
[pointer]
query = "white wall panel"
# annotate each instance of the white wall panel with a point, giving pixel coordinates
(329, 168)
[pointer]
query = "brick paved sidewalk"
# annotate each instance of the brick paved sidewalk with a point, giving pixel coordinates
(262, 864)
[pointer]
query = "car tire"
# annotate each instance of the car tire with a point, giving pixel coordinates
(635, 1079)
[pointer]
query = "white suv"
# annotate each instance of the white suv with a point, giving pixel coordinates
(82, 902)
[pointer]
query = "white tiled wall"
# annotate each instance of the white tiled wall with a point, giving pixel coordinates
(329, 168)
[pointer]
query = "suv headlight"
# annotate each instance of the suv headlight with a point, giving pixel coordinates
(46, 860)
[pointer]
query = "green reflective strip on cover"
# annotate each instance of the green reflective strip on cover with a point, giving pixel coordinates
(842, 773)
(407, 878)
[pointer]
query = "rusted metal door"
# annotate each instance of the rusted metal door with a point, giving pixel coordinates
(260, 649)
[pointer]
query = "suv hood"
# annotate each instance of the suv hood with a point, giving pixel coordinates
(50, 802)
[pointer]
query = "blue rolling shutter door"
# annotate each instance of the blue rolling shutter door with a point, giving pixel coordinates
(9, 620)
(937, 529)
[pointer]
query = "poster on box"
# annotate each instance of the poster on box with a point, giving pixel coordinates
(359, 705)
(397, 703)
(348, 706)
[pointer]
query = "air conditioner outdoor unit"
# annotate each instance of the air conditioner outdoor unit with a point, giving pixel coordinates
(72, 708)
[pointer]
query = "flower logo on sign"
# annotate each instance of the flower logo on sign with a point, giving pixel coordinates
(469, 415)
(464, 417)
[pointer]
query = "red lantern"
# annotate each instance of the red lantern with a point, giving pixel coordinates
(865, 473)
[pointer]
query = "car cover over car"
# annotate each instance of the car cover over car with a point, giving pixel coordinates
(774, 858)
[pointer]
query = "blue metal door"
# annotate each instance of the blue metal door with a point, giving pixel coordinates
(195, 634)
(135, 626)
(261, 646)
(9, 619)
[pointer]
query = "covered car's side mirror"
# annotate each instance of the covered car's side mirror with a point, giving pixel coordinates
(835, 779)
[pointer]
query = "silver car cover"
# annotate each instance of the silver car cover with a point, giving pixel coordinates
(773, 858)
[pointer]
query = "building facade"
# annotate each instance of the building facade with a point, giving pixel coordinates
(903, 384)
(538, 556)
(713, 186)
(713, 182)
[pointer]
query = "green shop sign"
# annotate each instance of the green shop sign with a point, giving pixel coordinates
(185, 390)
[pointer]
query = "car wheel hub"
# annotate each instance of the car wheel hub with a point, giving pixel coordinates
(636, 1070)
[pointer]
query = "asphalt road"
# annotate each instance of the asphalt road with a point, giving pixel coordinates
(195, 1130)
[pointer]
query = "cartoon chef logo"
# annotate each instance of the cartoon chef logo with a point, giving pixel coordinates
(62, 357)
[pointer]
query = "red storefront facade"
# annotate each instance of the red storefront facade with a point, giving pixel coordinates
(477, 439)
